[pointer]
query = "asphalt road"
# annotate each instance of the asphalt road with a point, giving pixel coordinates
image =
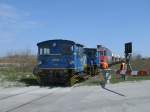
(123, 97)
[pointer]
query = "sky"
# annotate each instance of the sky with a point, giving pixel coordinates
(24, 23)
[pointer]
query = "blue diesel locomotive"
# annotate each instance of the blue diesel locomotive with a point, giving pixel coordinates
(59, 61)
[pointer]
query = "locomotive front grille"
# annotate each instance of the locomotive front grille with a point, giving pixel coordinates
(58, 76)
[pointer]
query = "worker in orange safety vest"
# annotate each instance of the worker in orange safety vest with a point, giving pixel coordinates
(105, 74)
(123, 71)
(122, 66)
(103, 65)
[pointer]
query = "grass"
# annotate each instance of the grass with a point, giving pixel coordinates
(95, 80)
(29, 81)
(18, 78)
(12, 77)
(129, 78)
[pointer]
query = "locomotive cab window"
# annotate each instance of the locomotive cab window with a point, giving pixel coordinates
(72, 48)
(101, 53)
(40, 51)
(67, 49)
(89, 54)
(44, 51)
(105, 53)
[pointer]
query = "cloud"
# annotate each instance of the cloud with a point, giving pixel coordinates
(14, 24)
(13, 21)
(8, 12)
(11, 15)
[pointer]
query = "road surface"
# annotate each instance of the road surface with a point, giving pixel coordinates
(131, 97)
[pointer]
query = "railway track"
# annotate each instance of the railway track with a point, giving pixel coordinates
(24, 92)
(19, 106)
(38, 93)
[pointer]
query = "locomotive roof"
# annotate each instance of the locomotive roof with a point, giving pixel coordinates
(90, 48)
(104, 48)
(80, 45)
(59, 40)
(55, 40)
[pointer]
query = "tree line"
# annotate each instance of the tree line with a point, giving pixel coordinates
(20, 61)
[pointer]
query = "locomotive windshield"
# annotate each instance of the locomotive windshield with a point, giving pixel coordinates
(44, 51)
(67, 49)
(103, 53)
